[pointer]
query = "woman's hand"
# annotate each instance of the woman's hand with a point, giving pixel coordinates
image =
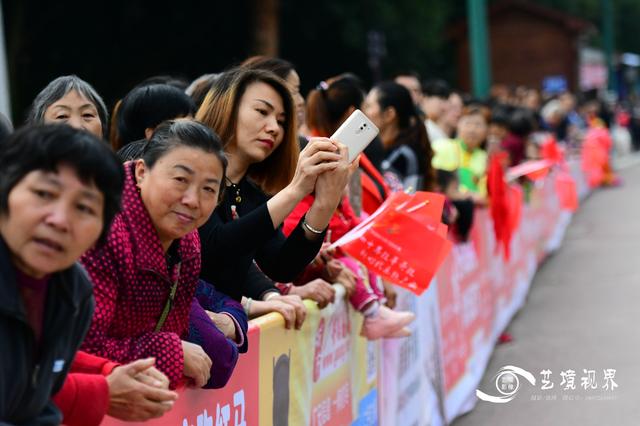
(296, 303)
(325, 254)
(138, 392)
(317, 290)
(290, 307)
(329, 190)
(224, 323)
(153, 377)
(197, 364)
(330, 187)
(319, 156)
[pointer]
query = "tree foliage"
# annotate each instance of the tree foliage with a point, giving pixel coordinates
(115, 44)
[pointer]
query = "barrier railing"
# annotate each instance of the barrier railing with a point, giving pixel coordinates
(326, 374)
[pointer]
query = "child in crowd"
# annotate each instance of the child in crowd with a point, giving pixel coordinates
(364, 288)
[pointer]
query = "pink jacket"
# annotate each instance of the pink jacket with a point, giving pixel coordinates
(131, 287)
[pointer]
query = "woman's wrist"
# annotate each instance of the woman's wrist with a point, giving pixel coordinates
(270, 295)
(319, 215)
(307, 226)
(293, 193)
(246, 305)
(282, 204)
(326, 205)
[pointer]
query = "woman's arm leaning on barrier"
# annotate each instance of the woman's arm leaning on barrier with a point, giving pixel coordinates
(227, 314)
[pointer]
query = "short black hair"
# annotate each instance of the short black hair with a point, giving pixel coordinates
(49, 146)
(147, 106)
(522, 121)
(500, 114)
(437, 88)
(392, 94)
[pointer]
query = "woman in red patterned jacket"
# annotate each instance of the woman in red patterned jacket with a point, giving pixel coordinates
(146, 274)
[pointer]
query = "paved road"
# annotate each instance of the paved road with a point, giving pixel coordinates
(582, 313)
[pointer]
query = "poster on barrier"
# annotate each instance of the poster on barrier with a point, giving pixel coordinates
(326, 374)
(286, 364)
(410, 381)
(363, 365)
(323, 374)
(331, 402)
(236, 404)
(478, 292)
(465, 298)
(314, 376)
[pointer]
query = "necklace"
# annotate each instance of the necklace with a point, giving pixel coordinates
(235, 187)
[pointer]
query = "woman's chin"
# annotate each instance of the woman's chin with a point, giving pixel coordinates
(179, 230)
(38, 268)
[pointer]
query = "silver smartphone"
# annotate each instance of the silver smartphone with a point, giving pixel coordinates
(356, 133)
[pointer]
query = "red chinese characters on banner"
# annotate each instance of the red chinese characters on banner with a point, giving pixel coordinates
(331, 403)
(404, 241)
(331, 345)
(237, 404)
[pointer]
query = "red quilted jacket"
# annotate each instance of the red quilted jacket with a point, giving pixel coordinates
(84, 397)
(131, 287)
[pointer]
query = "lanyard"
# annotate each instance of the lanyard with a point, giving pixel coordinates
(169, 304)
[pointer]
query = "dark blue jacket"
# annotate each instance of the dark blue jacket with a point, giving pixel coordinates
(30, 375)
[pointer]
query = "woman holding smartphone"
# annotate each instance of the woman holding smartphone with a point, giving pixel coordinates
(254, 114)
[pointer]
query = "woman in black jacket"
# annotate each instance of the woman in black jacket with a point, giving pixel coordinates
(59, 190)
(254, 114)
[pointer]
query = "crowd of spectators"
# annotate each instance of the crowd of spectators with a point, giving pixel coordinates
(134, 249)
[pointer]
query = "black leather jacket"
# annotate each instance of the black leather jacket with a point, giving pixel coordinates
(30, 375)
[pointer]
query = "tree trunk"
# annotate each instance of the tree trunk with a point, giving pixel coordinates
(265, 20)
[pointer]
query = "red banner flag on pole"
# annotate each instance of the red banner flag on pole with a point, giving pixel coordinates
(403, 241)
(534, 170)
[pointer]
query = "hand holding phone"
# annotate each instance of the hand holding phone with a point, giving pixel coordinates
(356, 133)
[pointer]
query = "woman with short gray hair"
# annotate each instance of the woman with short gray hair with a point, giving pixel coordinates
(69, 99)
